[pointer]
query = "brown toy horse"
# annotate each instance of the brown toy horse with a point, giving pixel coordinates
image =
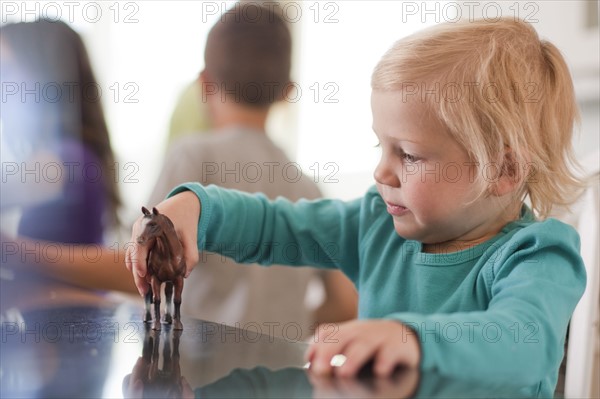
(165, 264)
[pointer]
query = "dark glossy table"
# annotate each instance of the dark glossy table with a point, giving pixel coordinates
(60, 342)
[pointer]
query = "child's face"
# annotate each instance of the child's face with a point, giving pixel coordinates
(426, 177)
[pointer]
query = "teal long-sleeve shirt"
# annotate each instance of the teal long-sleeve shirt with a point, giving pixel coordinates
(496, 311)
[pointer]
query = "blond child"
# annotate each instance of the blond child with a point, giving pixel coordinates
(454, 271)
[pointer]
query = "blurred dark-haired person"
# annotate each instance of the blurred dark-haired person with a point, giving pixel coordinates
(56, 154)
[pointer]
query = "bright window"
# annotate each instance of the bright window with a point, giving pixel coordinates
(341, 42)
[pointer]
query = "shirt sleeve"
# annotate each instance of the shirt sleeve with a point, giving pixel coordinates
(250, 228)
(536, 280)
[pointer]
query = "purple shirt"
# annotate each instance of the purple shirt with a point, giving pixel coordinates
(76, 215)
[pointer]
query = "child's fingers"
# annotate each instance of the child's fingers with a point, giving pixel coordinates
(392, 354)
(386, 361)
(186, 388)
(128, 260)
(138, 370)
(354, 388)
(135, 254)
(329, 346)
(139, 257)
(184, 211)
(309, 353)
(135, 261)
(357, 353)
(132, 383)
(322, 356)
(320, 364)
(132, 259)
(141, 284)
(322, 349)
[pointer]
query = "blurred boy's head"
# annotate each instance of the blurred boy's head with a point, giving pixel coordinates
(248, 56)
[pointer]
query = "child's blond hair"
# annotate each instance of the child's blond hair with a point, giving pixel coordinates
(505, 95)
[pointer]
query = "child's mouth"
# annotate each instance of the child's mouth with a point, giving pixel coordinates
(396, 210)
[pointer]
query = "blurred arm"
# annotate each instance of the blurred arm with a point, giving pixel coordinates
(88, 266)
(341, 299)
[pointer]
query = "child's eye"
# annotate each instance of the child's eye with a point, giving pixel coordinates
(409, 158)
(378, 145)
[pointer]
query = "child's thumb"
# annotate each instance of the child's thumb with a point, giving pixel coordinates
(192, 257)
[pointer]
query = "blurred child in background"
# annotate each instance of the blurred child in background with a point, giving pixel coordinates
(56, 148)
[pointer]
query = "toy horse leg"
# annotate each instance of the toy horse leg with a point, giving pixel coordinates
(148, 347)
(155, 358)
(178, 285)
(148, 301)
(176, 366)
(166, 352)
(169, 298)
(156, 299)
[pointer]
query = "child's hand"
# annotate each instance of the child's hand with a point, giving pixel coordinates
(184, 211)
(389, 343)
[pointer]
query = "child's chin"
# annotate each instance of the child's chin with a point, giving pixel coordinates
(404, 231)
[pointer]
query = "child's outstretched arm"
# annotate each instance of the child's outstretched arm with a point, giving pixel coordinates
(250, 228)
(253, 229)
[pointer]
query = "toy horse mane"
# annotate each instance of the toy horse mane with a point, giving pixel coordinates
(167, 228)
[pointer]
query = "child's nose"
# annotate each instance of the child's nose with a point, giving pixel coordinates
(385, 174)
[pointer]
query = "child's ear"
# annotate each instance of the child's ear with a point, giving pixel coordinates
(510, 177)
(208, 86)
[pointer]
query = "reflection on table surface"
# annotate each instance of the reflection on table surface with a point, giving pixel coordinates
(58, 341)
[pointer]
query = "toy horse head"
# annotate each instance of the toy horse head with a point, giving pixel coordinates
(154, 224)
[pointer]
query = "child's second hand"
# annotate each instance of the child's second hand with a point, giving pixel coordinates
(336, 361)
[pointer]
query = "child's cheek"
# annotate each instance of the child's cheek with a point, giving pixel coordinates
(419, 191)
